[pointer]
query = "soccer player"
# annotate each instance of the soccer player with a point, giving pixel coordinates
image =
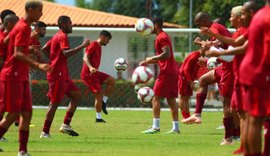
(223, 75)
(16, 94)
(60, 84)
(3, 14)
(93, 78)
(239, 37)
(165, 85)
(8, 23)
(254, 75)
(188, 72)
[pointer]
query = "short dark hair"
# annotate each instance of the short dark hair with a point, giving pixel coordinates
(105, 33)
(158, 21)
(10, 18)
(6, 12)
(63, 19)
(40, 24)
(32, 4)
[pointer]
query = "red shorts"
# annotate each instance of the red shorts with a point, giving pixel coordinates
(256, 101)
(225, 79)
(15, 97)
(184, 87)
(94, 83)
(59, 88)
(166, 86)
(237, 101)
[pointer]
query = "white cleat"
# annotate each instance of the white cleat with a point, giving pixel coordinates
(44, 135)
(68, 130)
(22, 153)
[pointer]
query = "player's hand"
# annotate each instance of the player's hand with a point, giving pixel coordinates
(86, 43)
(212, 53)
(202, 61)
(143, 63)
(44, 67)
(206, 31)
(93, 70)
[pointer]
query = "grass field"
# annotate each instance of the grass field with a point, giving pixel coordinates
(121, 136)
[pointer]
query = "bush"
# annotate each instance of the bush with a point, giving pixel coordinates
(123, 95)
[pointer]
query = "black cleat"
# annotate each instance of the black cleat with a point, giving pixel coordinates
(104, 107)
(68, 130)
(100, 120)
(16, 123)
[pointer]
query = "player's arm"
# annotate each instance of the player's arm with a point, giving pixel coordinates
(87, 62)
(224, 39)
(234, 51)
(164, 55)
(71, 52)
(18, 54)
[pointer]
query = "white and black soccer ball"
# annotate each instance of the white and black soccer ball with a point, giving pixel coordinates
(145, 95)
(121, 64)
(212, 63)
(196, 85)
(142, 75)
(144, 26)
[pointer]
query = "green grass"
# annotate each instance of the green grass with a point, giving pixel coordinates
(121, 136)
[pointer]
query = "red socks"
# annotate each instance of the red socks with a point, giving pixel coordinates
(24, 135)
(200, 98)
(68, 118)
(47, 126)
(228, 124)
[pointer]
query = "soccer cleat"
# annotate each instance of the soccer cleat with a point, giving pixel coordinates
(193, 119)
(104, 107)
(3, 139)
(237, 138)
(44, 135)
(220, 127)
(100, 121)
(68, 130)
(22, 153)
(227, 141)
(151, 131)
(173, 131)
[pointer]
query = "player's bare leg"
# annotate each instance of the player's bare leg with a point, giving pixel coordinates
(6, 122)
(98, 106)
(155, 128)
(254, 142)
(174, 113)
(75, 100)
(227, 121)
(204, 81)
(242, 117)
(184, 106)
(110, 81)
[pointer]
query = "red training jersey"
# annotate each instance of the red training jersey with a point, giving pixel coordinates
(255, 67)
(167, 66)
(94, 50)
(58, 61)
(16, 70)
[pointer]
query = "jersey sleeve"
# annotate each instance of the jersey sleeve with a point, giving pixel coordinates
(90, 49)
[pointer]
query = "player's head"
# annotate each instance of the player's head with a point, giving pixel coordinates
(6, 12)
(105, 37)
(248, 10)
(158, 24)
(65, 24)
(219, 20)
(10, 20)
(33, 9)
(202, 19)
(235, 18)
(40, 28)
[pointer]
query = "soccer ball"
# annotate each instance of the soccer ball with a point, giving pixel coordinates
(142, 75)
(137, 88)
(121, 64)
(212, 63)
(144, 26)
(145, 95)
